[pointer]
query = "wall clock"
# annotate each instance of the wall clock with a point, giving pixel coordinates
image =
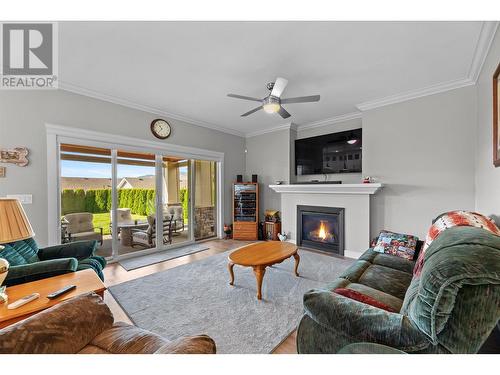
(160, 128)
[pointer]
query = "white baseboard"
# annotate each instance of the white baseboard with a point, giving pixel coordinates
(347, 253)
(353, 254)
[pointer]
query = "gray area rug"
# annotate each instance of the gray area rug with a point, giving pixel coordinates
(147, 260)
(196, 298)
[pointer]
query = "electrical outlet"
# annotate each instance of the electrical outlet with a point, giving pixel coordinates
(23, 198)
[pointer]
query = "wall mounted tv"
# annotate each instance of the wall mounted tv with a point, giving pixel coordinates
(330, 153)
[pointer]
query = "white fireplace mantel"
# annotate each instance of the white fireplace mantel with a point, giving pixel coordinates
(369, 189)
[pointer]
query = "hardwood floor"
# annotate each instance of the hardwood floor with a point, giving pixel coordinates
(116, 274)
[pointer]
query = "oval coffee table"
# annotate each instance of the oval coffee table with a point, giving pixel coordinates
(261, 255)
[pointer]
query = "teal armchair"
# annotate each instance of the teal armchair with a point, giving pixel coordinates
(29, 263)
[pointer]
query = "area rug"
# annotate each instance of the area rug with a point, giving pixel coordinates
(147, 260)
(196, 298)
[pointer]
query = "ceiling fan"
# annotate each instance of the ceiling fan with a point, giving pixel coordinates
(272, 103)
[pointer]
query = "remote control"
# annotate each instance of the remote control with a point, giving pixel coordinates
(23, 301)
(59, 292)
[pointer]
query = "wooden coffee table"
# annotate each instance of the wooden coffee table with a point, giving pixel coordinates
(85, 281)
(261, 255)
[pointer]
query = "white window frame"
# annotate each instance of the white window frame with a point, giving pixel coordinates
(58, 134)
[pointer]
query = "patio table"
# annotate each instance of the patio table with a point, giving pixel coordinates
(126, 232)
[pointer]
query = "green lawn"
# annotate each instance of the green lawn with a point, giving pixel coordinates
(103, 220)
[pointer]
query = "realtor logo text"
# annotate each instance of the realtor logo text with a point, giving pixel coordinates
(29, 56)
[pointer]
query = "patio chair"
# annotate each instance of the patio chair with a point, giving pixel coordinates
(79, 227)
(147, 237)
(177, 213)
(124, 217)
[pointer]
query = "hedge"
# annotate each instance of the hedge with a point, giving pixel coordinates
(73, 201)
(184, 198)
(96, 201)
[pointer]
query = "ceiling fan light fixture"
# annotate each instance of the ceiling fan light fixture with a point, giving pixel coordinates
(352, 141)
(271, 104)
(271, 107)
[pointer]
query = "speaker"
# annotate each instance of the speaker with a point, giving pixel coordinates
(239, 178)
(254, 178)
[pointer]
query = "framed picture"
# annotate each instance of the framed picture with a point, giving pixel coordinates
(496, 122)
(18, 156)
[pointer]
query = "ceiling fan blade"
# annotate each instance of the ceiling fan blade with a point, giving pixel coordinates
(279, 87)
(283, 113)
(244, 97)
(252, 111)
(301, 99)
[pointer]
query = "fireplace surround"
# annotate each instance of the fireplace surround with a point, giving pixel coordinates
(354, 198)
(321, 228)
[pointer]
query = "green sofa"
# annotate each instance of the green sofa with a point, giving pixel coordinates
(452, 307)
(29, 263)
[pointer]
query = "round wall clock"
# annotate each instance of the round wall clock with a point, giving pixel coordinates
(160, 128)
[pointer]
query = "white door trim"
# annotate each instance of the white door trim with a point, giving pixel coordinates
(53, 190)
(57, 134)
(134, 143)
(114, 203)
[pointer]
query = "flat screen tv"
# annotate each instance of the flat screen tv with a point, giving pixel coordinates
(330, 153)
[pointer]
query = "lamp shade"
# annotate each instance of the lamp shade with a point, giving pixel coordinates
(14, 224)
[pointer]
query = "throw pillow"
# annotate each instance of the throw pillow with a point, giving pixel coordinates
(453, 219)
(360, 297)
(374, 241)
(401, 245)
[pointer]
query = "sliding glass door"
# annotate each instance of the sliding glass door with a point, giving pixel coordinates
(135, 201)
(131, 202)
(86, 195)
(205, 205)
(175, 199)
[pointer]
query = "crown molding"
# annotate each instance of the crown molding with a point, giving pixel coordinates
(415, 94)
(145, 108)
(483, 46)
(290, 125)
(329, 121)
(486, 35)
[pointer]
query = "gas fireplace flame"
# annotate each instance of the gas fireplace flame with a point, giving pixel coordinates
(322, 231)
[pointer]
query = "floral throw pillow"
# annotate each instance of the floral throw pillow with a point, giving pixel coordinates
(449, 220)
(398, 244)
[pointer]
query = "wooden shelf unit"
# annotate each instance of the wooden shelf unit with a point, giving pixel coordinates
(271, 230)
(245, 211)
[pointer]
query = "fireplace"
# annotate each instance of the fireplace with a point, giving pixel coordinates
(321, 228)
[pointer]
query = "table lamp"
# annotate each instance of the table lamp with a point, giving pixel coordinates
(14, 226)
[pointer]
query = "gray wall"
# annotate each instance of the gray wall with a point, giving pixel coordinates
(347, 178)
(268, 157)
(24, 113)
(487, 176)
(423, 150)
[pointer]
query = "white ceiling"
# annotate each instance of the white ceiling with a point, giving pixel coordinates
(185, 69)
